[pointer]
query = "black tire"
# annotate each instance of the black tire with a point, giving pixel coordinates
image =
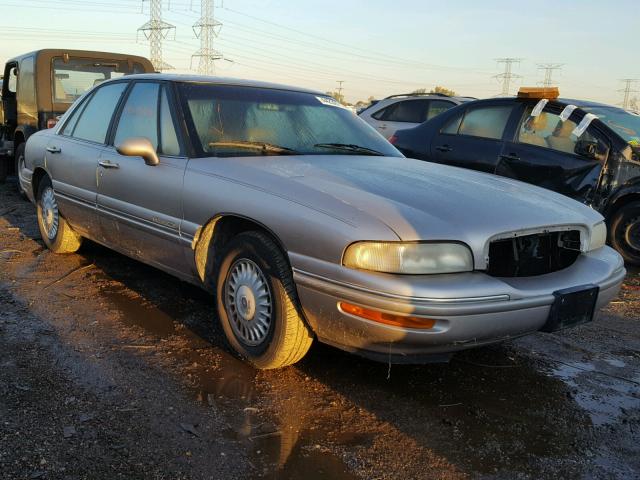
(5, 167)
(286, 338)
(625, 232)
(19, 158)
(62, 239)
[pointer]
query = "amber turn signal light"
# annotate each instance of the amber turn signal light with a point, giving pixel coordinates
(387, 318)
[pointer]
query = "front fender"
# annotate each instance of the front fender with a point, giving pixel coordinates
(621, 195)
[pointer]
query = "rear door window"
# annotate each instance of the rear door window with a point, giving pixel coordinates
(436, 107)
(485, 122)
(408, 111)
(96, 116)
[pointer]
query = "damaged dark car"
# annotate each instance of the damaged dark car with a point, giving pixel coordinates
(585, 150)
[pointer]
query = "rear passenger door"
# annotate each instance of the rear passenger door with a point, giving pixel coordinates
(72, 157)
(140, 206)
(545, 151)
(474, 137)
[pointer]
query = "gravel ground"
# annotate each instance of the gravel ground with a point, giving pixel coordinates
(111, 369)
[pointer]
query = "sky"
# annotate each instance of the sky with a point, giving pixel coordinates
(376, 47)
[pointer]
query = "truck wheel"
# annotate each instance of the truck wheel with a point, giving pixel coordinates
(625, 232)
(54, 229)
(258, 305)
(19, 165)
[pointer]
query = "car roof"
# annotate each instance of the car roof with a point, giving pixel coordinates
(561, 101)
(212, 80)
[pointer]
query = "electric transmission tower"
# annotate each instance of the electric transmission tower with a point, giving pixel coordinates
(206, 29)
(629, 84)
(507, 76)
(548, 72)
(156, 30)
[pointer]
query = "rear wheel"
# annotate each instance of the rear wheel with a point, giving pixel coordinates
(19, 165)
(625, 232)
(257, 303)
(54, 229)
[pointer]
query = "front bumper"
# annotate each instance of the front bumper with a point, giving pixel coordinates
(470, 309)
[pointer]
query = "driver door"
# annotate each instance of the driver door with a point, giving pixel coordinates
(140, 206)
(545, 152)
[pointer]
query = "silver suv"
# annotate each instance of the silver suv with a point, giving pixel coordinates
(398, 112)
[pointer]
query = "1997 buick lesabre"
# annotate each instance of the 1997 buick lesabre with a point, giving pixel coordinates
(305, 223)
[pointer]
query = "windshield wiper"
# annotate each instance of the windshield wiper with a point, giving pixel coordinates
(350, 147)
(261, 146)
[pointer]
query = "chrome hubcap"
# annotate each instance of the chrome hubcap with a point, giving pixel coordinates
(49, 213)
(248, 302)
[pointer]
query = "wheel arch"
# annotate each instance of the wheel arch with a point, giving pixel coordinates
(213, 235)
(38, 174)
(622, 198)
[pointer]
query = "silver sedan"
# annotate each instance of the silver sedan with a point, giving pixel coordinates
(305, 223)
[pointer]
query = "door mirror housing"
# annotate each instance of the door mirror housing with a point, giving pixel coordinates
(139, 147)
(587, 149)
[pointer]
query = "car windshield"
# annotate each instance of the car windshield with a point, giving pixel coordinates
(234, 120)
(75, 76)
(624, 123)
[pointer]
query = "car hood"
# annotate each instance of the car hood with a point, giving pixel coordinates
(425, 201)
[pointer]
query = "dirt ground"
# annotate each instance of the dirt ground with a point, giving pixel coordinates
(111, 369)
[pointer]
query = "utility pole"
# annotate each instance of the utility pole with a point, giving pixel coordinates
(340, 82)
(548, 72)
(628, 89)
(155, 30)
(206, 29)
(507, 76)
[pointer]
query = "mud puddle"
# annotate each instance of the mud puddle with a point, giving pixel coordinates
(276, 447)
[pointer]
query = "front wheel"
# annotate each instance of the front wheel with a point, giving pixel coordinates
(257, 303)
(54, 229)
(625, 232)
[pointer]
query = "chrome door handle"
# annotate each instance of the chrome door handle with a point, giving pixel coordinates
(108, 164)
(54, 149)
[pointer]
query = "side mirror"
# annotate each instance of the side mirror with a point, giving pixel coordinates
(139, 147)
(587, 149)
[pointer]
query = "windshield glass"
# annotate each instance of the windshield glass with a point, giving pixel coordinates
(74, 77)
(238, 121)
(624, 123)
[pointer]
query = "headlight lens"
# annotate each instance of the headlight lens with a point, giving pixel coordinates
(409, 258)
(598, 236)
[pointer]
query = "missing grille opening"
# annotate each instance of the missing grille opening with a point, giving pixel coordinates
(535, 254)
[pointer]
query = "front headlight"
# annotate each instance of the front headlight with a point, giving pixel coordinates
(409, 258)
(598, 236)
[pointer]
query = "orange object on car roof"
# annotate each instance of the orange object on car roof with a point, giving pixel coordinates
(550, 93)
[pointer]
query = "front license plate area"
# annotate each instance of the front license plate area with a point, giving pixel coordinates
(572, 306)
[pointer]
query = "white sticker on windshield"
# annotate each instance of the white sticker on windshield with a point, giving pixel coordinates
(566, 113)
(584, 124)
(332, 102)
(537, 110)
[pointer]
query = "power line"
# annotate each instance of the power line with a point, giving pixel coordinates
(548, 72)
(507, 76)
(206, 29)
(628, 89)
(156, 30)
